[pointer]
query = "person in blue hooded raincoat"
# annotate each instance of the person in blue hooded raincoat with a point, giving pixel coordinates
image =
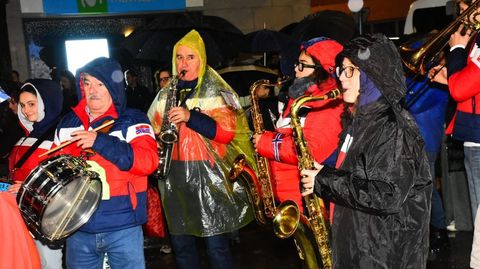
(127, 153)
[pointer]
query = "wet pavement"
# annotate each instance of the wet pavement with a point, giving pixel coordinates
(260, 249)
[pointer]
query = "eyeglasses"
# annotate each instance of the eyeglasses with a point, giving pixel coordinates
(301, 66)
(347, 70)
(164, 79)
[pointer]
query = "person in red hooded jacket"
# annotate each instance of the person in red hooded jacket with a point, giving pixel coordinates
(320, 119)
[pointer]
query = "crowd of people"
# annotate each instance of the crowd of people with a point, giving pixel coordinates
(374, 149)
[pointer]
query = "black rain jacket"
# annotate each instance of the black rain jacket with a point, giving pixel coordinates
(383, 188)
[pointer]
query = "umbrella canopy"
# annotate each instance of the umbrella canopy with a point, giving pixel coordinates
(333, 24)
(267, 41)
(155, 41)
(240, 78)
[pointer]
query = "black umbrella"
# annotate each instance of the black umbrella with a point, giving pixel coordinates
(333, 24)
(240, 78)
(267, 41)
(155, 40)
(329, 23)
(288, 29)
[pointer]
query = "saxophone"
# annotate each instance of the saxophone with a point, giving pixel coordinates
(168, 133)
(259, 186)
(289, 221)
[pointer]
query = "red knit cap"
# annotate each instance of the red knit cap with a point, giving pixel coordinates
(324, 50)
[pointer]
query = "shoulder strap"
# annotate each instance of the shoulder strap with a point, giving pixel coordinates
(34, 146)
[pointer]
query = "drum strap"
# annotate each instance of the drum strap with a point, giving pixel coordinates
(34, 147)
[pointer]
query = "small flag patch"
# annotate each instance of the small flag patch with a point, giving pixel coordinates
(142, 129)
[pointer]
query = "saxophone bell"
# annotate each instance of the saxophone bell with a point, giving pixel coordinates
(169, 136)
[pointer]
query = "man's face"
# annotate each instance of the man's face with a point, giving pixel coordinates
(187, 60)
(97, 96)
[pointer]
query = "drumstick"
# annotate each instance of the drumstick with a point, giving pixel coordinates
(106, 124)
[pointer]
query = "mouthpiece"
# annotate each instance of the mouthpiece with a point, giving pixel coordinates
(182, 73)
(333, 94)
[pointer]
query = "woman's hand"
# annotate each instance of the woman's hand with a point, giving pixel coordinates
(307, 178)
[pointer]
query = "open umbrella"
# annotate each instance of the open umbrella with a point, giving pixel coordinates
(336, 25)
(241, 77)
(333, 24)
(266, 40)
(155, 40)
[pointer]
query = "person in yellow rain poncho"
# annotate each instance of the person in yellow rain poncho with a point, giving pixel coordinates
(198, 198)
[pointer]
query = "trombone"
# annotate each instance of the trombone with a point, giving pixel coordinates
(419, 59)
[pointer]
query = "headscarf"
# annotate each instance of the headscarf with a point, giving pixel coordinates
(50, 102)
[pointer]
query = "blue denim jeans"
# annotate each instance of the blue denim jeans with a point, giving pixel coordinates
(218, 251)
(124, 249)
(437, 214)
(472, 167)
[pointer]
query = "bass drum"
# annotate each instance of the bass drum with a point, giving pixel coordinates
(58, 197)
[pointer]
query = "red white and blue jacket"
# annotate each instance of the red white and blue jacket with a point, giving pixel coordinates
(51, 97)
(127, 151)
(464, 85)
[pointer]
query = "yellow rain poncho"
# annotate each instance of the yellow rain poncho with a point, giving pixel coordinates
(197, 196)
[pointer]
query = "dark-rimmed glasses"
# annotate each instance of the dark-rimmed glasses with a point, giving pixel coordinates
(164, 79)
(347, 70)
(301, 66)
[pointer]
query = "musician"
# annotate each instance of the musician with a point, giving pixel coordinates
(462, 76)
(39, 109)
(313, 76)
(126, 152)
(197, 196)
(382, 187)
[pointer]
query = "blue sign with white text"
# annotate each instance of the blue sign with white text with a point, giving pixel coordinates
(109, 6)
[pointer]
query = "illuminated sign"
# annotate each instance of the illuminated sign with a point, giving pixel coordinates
(109, 6)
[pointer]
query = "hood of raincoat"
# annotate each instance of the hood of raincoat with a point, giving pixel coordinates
(109, 72)
(50, 101)
(194, 41)
(378, 58)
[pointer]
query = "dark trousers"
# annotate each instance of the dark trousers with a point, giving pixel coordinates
(218, 251)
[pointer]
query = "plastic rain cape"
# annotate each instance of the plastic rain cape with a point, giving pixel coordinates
(197, 196)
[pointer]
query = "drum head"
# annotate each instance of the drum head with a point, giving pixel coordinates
(70, 207)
